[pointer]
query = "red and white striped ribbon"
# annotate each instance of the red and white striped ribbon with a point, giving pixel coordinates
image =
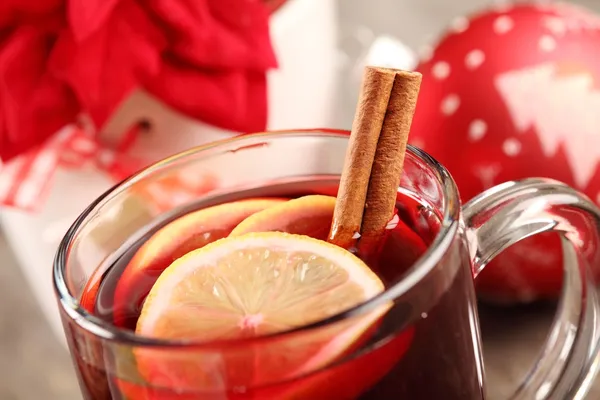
(26, 180)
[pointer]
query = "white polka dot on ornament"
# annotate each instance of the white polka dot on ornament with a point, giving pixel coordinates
(547, 43)
(440, 70)
(555, 25)
(474, 59)
(450, 104)
(503, 24)
(459, 25)
(511, 147)
(477, 130)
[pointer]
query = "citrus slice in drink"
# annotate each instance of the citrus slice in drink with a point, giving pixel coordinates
(308, 215)
(233, 292)
(175, 239)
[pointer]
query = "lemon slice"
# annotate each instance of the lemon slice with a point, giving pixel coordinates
(247, 286)
(175, 239)
(308, 215)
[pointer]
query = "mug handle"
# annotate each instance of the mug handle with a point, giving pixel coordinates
(510, 212)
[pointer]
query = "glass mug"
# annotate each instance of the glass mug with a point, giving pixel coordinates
(426, 346)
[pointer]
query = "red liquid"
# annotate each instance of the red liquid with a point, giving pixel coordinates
(403, 357)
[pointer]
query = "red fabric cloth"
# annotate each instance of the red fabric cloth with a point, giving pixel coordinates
(232, 99)
(205, 58)
(33, 103)
(111, 61)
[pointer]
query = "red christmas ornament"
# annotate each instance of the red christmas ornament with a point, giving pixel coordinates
(511, 93)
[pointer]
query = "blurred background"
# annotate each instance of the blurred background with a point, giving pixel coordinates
(330, 41)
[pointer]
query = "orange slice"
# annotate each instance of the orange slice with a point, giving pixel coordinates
(247, 286)
(308, 215)
(175, 239)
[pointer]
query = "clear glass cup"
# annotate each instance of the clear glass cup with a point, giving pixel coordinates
(427, 345)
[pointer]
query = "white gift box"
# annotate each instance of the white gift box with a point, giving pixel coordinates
(300, 95)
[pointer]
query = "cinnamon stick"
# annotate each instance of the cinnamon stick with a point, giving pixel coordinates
(368, 121)
(389, 159)
(368, 211)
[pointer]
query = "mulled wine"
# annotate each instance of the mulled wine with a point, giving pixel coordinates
(420, 347)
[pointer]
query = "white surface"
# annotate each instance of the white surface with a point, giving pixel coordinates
(35, 238)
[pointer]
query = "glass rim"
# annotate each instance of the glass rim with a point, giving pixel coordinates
(418, 271)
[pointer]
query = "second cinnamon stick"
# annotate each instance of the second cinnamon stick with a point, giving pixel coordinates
(388, 162)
